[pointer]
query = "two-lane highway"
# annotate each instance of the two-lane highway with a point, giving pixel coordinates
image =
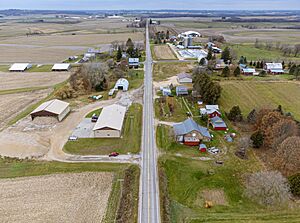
(149, 208)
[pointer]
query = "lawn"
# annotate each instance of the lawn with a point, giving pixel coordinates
(249, 95)
(97, 112)
(188, 177)
(135, 78)
(255, 54)
(42, 68)
(4, 68)
(130, 141)
(164, 70)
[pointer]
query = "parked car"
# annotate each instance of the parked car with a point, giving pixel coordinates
(94, 118)
(113, 154)
(73, 138)
(213, 150)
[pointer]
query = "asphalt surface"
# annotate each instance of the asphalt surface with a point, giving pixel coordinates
(149, 206)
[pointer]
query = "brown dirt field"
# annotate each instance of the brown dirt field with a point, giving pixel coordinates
(13, 104)
(28, 80)
(164, 52)
(19, 54)
(80, 197)
(76, 40)
(215, 195)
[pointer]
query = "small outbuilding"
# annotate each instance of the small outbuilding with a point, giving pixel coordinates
(274, 68)
(218, 123)
(61, 67)
(122, 84)
(20, 67)
(134, 62)
(181, 90)
(54, 108)
(184, 78)
(110, 122)
(190, 133)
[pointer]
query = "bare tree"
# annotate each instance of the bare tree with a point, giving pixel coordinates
(296, 49)
(268, 188)
(287, 156)
(115, 44)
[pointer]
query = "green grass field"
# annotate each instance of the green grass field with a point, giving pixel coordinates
(255, 54)
(130, 141)
(4, 68)
(249, 95)
(135, 78)
(43, 68)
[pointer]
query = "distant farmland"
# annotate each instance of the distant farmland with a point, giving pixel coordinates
(249, 95)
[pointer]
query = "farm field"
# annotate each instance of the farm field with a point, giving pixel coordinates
(250, 95)
(130, 142)
(164, 70)
(72, 197)
(20, 80)
(14, 103)
(57, 40)
(163, 52)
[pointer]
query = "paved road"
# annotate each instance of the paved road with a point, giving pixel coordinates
(149, 209)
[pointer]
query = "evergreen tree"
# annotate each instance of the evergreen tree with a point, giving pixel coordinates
(250, 63)
(226, 72)
(119, 54)
(254, 64)
(226, 55)
(245, 60)
(202, 62)
(129, 43)
(235, 114)
(209, 54)
(257, 139)
(258, 64)
(237, 71)
(251, 118)
(262, 64)
(283, 64)
(168, 34)
(292, 69)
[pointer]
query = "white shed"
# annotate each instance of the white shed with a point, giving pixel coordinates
(20, 67)
(184, 78)
(61, 67)
(122, 84)
(55, 108)
(110, 122)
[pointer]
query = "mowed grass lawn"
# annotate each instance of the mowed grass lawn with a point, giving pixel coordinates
(130, 141)
(250, 95)
(187, 177)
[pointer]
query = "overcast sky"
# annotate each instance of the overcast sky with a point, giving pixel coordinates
(151, 4)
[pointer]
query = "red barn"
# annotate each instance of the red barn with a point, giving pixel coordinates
(218, 124)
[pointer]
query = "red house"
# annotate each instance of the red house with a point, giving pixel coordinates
(213, 113)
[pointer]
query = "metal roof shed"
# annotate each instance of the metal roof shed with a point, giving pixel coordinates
(110, 122)
(20, 67)
(55, 108)
(61, 67)
(122, 84)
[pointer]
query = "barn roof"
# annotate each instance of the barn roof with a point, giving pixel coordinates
(218, 122)
(274, 66)
(19, 66)
(54, 106)
(188, 126)
(61, 66)
(111, 117)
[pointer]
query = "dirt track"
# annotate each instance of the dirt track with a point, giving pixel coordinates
(80, 197)
(28, 80)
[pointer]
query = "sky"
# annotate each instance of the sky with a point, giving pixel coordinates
(152, 4)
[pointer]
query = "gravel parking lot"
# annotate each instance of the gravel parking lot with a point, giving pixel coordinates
(80, 197)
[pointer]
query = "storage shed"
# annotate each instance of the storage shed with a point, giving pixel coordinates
(61, 67)
(55, 108)
(134, 62)
(110, 122)
(20, 67)
(181, 90)
(184, 78)
(122, 84)
(218, 123)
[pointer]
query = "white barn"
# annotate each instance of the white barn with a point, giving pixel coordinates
(122, 84)
(54, 108)
(274, 68)
(110, 122)
(20, 67)
(61, 67)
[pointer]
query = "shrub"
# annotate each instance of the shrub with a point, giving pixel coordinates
(257, 139)
(294, 182)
